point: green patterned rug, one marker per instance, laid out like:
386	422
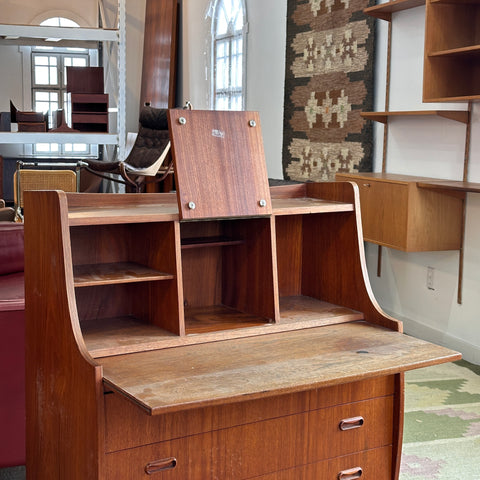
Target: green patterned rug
442	423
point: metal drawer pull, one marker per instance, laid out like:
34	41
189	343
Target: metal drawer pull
160	465
367	185
351	423
350	474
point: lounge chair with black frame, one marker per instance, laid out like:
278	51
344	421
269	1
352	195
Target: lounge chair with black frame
149	159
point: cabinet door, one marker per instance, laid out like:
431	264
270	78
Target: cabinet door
384	207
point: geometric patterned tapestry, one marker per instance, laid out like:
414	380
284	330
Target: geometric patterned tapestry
328	82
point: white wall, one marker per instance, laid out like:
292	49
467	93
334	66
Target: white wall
26	12
429	147
265	68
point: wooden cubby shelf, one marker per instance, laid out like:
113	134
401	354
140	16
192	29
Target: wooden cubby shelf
296	206
473	50
204	242
106	336
112	273
452	50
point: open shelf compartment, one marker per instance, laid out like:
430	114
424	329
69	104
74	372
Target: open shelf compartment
227	271
126	271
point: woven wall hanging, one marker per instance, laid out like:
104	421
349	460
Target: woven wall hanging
328	82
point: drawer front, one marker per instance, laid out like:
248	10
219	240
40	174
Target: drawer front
350	428
283	443
384	209
263	447
192	458
127	426
369	465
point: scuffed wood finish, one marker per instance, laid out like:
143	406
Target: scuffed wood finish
228	177
224	372
129	427
159	54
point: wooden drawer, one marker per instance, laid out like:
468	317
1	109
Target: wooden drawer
398	214
369	465
262	447
128	426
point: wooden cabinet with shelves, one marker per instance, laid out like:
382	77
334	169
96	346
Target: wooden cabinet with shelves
452	51
209	348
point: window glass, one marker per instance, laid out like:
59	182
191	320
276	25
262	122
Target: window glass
228	33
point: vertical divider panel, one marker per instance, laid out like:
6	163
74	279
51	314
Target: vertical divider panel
155	245
249	275
179	277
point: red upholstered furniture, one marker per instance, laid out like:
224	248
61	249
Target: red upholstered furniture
12	346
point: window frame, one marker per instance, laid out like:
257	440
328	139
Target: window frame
51	149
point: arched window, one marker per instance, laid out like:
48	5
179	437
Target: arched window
229	28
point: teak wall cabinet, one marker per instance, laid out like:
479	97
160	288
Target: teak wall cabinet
235	347
397	213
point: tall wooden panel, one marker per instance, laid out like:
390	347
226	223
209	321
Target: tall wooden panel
159	53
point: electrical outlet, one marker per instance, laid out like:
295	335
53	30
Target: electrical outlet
430	276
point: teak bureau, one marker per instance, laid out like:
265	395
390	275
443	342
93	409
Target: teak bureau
226	332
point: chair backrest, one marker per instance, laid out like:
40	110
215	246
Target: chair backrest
25	179
153	139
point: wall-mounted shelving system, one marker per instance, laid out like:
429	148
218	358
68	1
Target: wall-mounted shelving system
451	73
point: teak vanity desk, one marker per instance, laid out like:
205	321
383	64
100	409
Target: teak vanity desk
233	335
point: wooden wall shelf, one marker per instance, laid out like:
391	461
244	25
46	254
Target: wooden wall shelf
384	11
382	117
451	185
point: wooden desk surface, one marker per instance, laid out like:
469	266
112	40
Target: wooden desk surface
244	369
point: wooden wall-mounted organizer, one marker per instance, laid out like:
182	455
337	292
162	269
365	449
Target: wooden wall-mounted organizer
210	342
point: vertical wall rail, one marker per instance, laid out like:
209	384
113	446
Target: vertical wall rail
466	160
385	126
